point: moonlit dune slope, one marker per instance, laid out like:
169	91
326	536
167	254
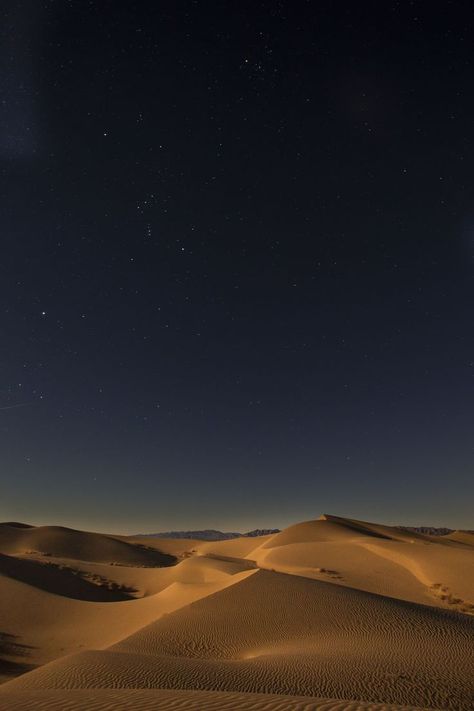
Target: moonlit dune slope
176	699
330	609
53	606
430	570
78	545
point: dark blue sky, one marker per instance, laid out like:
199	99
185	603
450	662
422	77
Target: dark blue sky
237	263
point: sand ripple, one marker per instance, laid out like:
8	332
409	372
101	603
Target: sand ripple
276	633
176	700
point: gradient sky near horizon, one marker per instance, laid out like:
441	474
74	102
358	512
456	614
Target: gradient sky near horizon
237	263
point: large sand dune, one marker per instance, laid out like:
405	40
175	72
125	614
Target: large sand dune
78	545
333	614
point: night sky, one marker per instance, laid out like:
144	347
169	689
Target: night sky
237	260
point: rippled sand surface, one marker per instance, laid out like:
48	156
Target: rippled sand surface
328	614
177	700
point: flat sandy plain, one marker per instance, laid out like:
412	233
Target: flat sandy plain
331	614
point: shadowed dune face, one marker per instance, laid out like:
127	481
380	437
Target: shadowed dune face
327	609
13	656
62	580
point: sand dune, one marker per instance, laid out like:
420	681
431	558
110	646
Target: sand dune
234	548
387	561
176	547
79	545
462	537
172	700
369	615
46	625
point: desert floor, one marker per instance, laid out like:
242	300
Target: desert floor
328	614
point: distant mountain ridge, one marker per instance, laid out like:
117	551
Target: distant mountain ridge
432	530
210	534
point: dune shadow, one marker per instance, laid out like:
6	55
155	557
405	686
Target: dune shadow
10	647
155	558
63	580
365	530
